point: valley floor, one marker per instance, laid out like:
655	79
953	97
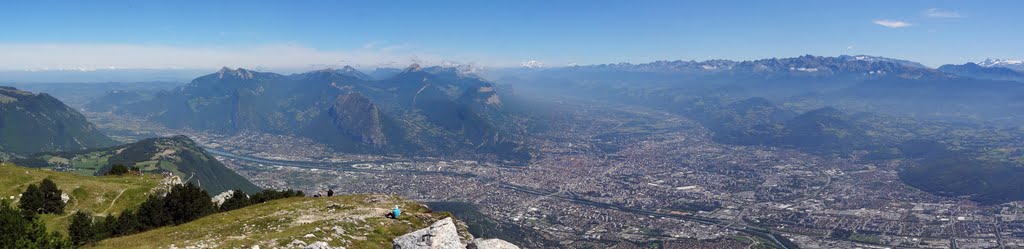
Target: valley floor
627	176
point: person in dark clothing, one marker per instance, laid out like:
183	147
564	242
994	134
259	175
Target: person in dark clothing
330	192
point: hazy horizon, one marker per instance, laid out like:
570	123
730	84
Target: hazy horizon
295	37
114	74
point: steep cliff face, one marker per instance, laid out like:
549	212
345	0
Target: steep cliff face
356	116
356	123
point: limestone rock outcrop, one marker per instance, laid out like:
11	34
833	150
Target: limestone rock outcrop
441	235
491	244
444	234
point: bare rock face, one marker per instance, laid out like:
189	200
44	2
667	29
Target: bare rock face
357	117
491	244
166	183
222	197
321	245
441	235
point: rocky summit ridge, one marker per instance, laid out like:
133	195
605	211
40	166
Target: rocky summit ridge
347	221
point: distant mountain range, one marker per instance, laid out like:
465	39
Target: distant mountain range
867	107
807	65
983	72
31	122
425	111
859	83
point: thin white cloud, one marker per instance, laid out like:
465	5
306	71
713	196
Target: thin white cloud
55	56
893	23
941	13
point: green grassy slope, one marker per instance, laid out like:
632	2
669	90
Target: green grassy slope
178	155
98	195
353	221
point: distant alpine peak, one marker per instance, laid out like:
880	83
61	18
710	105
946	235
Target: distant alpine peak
989	62
226	69
344	71
870	58
349	69
346	68
865	57
415	67
238	73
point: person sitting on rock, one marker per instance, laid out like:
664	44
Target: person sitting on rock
396	212
330	192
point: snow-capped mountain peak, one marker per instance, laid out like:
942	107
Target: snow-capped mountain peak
1017	65
999	62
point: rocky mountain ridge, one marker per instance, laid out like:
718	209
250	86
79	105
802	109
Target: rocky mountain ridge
421	110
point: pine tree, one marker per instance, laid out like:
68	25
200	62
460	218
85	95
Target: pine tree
118	169
42	199
17	231
32	200
152	214
81	228
52	202
105	229
127	223
187	203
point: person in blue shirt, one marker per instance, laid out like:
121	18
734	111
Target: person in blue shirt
396	212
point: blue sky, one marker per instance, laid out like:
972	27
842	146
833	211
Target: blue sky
310	34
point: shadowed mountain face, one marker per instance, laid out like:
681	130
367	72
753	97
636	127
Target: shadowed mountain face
357	116
431	111
354	123
32	123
